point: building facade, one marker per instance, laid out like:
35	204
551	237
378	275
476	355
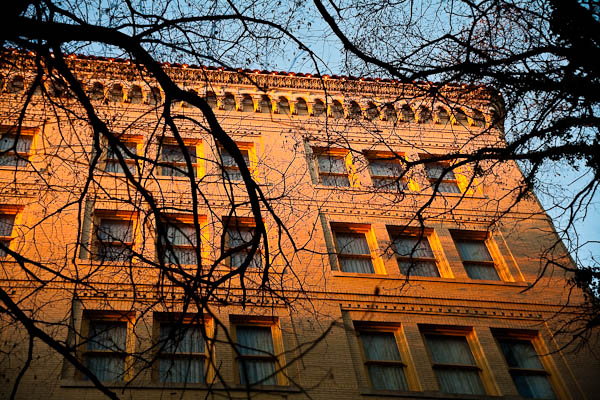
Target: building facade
383	270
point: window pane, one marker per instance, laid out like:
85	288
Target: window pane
450	350
179	338
181	256
520	354
106	367
107	252
448	187
479	271
473	250
385	168
107	335
387	377
352	243
228	160
254	340
111	230
419	268
174	153
335	180
6	224
181	370
459	381
181	234
132	147
239	258
533	386
23	144
435	171
358	265
407	246
380	346
257	372
332	164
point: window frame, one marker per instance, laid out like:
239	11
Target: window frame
444	180
397	183
180	167
204	323
245	224
101	316
544	357
8	240
423	234
251	162
479	363
22	158
335	153
186	220
130	140
486	239
357	229
278	357
97	243
405	362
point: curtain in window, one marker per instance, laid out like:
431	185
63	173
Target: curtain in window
6	224
231	169
383	347
351	245
174	154
448	187
473	250
330	164
412	247
435	171
115	236
256	341
7	147
479	271
113	165
454	350
182	357
239	237
385	168
181	235
522	355
109	337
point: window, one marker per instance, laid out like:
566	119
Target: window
173	155
528	373
239	234
259	353
105	352
386	172
454	364
182	356
114	238
440	172
231	170
414	254
382	360
318	108
332	167
180	248
7	223
475	255
112	162
353	251
15	148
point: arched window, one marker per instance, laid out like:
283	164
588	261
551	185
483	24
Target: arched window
408	115
372	111
284	106
116	93
424	115
390	113
265	104
229	102
301	107
443	116
135	95
355	111
154	97
318	108
247	103
16	84
211	99
337	110
461	117
96	92
478	119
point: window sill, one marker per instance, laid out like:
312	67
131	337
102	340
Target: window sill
422	395
461	281
83	384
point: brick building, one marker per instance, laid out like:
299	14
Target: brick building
121	247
